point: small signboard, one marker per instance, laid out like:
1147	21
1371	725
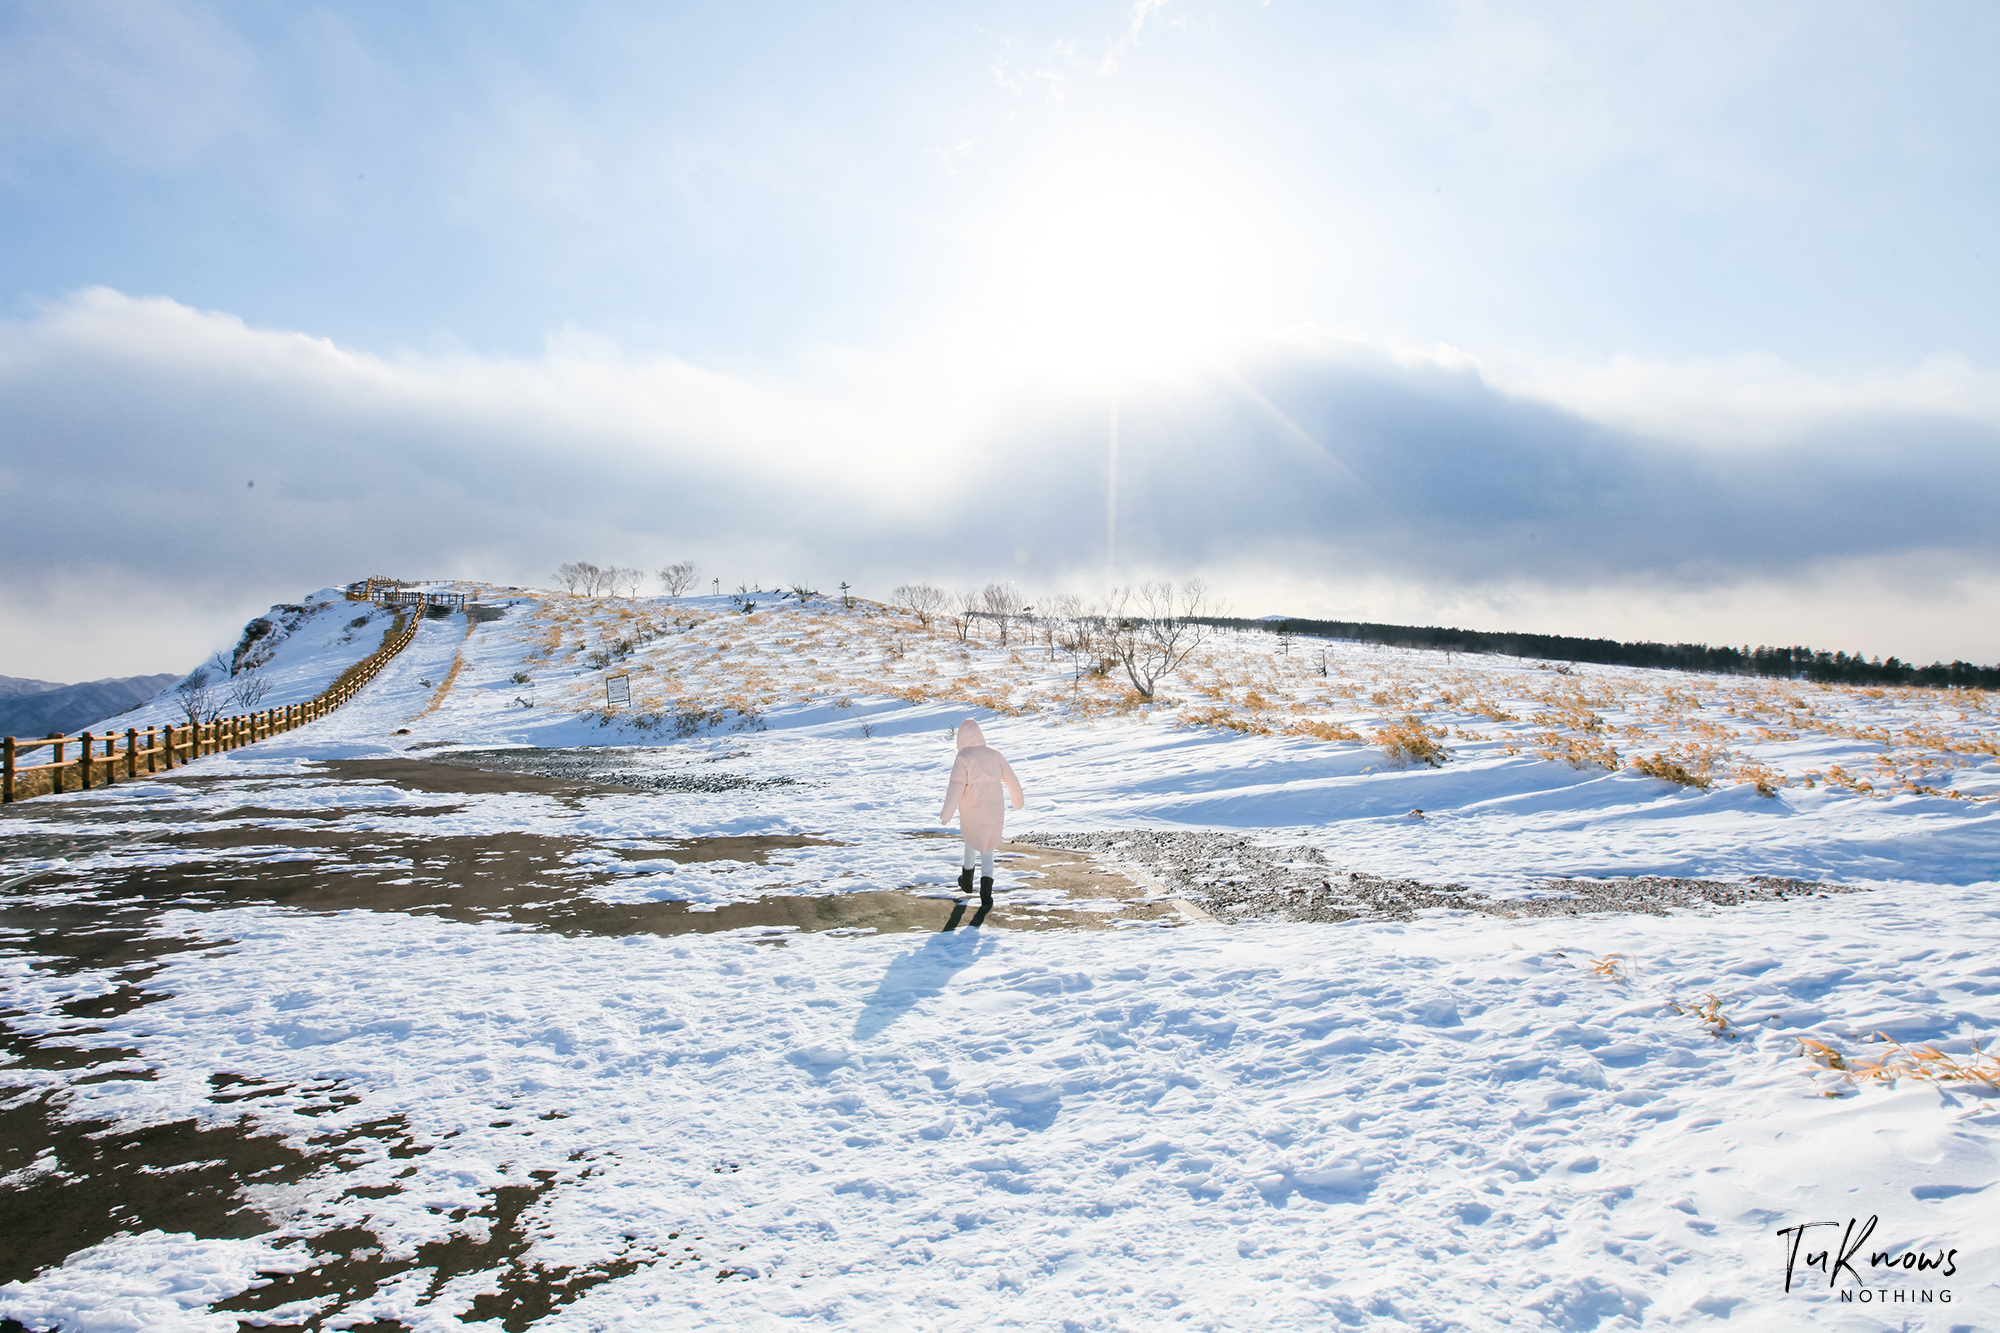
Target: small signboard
617	690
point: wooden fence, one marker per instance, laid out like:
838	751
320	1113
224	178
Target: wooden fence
396	593
100	756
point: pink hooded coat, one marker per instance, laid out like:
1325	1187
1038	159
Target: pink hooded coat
976	779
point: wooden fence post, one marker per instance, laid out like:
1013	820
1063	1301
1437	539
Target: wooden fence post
83	773
167	745
131	753
7	771
56	774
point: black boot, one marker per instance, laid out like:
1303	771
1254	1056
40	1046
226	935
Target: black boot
965	880
985	890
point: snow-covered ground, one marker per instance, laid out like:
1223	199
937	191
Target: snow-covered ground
1456	1121
859	708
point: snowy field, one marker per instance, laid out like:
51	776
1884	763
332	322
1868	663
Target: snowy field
1457	1120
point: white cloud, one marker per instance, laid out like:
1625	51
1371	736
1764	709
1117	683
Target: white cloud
1755	400
1334	476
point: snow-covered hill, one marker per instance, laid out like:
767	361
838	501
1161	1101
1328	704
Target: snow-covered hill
1532	775
1451	1119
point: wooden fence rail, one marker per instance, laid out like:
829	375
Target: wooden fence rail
99	756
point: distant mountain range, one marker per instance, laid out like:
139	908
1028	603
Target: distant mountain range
38	707
13	687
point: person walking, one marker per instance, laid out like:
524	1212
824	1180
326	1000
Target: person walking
978	776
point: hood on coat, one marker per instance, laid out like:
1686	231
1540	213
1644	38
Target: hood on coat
970	735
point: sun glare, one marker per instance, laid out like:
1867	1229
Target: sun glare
1113	262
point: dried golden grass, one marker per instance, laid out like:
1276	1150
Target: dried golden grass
1615	967
1577	751
1927	1063
1659	766
1765	779
1222	717
1410	741
1726	729
1709	1010
1331	732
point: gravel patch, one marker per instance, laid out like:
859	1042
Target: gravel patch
1239	879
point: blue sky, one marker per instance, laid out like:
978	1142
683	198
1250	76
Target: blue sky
1662	321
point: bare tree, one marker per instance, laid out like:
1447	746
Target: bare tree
578	577
1049	622
1151	632
964	606
247	690
1001	603
678	577
200	695
587	580
628	579
920	600
1070	631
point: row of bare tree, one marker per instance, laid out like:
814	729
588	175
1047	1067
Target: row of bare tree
1148	631
587	580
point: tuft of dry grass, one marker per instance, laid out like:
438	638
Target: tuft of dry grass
1659	766
1409	739
1325	731
1766	779
1615	967
1896	1061
1222	717
1709	1010
1577	751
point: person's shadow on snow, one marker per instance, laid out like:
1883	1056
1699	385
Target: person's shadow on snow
923	973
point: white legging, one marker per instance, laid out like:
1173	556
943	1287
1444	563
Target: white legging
985	861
